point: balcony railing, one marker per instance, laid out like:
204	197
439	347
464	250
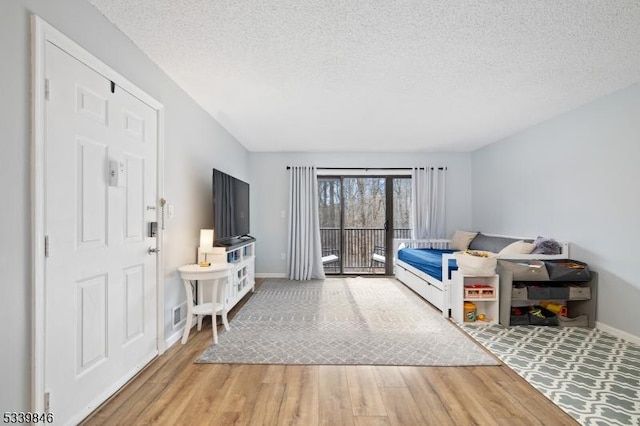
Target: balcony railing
355	252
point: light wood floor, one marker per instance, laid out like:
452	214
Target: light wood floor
173	390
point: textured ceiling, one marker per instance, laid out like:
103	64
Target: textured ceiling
385	75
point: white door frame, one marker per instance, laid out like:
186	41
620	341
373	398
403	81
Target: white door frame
43	33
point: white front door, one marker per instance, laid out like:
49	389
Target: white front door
100	280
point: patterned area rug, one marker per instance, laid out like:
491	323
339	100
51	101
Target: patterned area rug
345	321
592	375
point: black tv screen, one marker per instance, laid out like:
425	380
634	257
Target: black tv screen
230	207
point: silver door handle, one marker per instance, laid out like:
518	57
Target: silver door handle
152	250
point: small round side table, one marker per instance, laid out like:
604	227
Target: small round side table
218	274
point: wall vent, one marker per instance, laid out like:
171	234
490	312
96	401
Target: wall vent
178	315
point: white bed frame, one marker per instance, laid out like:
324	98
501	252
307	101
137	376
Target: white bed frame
438	292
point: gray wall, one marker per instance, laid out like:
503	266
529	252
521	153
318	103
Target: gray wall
270	188
194	144
574	178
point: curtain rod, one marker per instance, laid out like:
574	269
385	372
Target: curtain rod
375	168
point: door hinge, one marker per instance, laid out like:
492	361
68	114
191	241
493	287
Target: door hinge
47	402
46	246
46	89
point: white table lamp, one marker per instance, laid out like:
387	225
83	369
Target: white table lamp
206	246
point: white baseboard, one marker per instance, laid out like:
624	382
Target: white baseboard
618	333
175	337
271	275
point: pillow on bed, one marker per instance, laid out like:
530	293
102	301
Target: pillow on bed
461	239
490	243
519	247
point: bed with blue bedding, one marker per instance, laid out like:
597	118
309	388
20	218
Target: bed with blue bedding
425	266
427	260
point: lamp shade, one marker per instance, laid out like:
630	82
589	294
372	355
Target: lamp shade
206	240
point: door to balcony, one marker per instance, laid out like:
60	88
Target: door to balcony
359	217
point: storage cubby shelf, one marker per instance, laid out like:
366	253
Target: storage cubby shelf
582	303
467	288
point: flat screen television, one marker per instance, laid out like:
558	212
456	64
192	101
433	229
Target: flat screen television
230	208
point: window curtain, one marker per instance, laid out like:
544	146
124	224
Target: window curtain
428	191
304	248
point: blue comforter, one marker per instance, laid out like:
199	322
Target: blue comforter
427	260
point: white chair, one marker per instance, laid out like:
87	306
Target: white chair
377	257
330	258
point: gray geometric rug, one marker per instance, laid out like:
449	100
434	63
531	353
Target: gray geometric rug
342	321
593	376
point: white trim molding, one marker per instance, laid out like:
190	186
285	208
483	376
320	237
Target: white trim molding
271	275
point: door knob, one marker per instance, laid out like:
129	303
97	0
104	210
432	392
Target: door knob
152	250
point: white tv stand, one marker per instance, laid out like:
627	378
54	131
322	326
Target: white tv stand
243	258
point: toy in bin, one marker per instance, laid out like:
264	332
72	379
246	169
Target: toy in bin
483	317
556	308
470	312
478	291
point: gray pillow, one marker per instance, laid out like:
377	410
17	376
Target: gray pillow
489	243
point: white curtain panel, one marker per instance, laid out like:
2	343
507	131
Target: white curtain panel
428	191
304	249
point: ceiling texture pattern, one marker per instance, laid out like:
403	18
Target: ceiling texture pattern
385	75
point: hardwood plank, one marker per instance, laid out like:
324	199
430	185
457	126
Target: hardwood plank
274	374
372	421
431	407
335	403
243	388
532	406
456	408
173	404
388	376
401	407
496	389
181	355
216	382
482	405
363	390
301	400
128	410
231	418
267	406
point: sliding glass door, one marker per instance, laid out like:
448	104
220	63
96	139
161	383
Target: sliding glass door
359	217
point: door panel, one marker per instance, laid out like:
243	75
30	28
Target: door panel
92	193
92	322
134	303
100	283
365	215
134	209
92	105
330	212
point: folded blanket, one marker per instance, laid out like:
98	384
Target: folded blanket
546	246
